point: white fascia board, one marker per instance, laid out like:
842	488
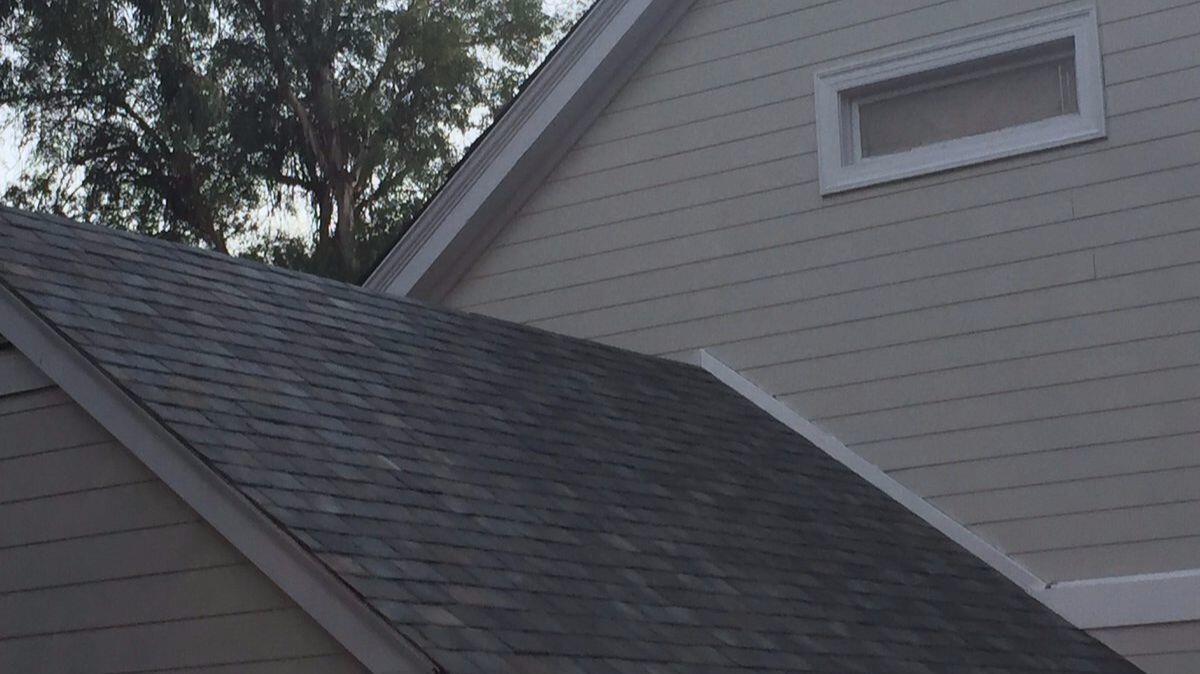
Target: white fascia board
1093	603
1123	601
301	576
516	154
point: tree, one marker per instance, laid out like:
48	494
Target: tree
129	123
193	118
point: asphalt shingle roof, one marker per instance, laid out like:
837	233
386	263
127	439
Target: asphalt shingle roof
518	501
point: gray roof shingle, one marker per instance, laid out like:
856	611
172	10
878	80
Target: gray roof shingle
519	501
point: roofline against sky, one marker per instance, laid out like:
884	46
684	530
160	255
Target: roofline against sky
523	145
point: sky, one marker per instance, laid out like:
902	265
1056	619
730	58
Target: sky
10	157
12	154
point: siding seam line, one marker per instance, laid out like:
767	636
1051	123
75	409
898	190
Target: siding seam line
841	202
43	452
769	17
655	186
772	45
809	36
97	534
984	363
1090	511
117	579
929	277
146	623
39	405
672	155
1049	483
972	332
1092	546
1031	420
1036	452
255	661
967	333
819	63
76	492
1039	387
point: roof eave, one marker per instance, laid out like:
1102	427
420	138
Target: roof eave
305	579
521	148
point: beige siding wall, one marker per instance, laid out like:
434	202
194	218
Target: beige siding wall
1017	341
1171	648
104	569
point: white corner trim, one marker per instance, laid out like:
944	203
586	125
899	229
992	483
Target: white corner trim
326	598
1123	601
1094	603
522	146
872	474
1077	21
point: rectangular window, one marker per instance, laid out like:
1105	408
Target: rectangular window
955	102
1010	89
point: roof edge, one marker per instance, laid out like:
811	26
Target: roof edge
907	498
302	577
1088	604
523	145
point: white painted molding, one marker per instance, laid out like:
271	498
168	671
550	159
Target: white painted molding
304	578
1127	600
837	172
1094	603
521	148
869	472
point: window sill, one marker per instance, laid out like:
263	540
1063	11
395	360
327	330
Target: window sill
961	152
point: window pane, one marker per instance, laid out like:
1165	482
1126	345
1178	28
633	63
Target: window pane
978	98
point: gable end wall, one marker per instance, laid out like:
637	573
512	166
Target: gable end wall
1015	341
104	569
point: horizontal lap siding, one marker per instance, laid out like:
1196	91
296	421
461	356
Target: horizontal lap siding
1172	648
105	569
1018	341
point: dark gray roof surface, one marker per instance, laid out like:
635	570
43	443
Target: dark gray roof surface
518	501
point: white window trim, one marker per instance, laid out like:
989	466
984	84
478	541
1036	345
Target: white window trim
1076	21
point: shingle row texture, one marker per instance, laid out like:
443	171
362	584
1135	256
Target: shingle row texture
518	501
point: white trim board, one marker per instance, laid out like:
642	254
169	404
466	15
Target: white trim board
512	159
1124	601
301	576
1095	603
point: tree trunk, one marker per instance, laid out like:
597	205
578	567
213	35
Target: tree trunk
345	234
210	233
324	210
188	203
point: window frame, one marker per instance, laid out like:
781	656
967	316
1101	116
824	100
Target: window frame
840	169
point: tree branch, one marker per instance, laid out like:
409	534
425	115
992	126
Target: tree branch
268	18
